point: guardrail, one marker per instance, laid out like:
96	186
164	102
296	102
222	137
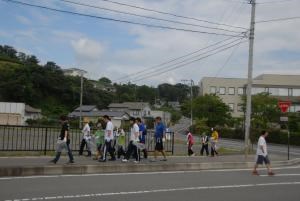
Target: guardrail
43	139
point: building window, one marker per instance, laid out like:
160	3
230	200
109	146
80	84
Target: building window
212	90
279	91
241	91
231	107
240	108
231	90
257	90
222	91
296	92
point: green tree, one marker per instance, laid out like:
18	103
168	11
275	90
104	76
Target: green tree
208	107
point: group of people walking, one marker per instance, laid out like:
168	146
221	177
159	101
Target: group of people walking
107	140
205	142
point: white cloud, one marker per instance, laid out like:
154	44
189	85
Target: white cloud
87	50
23	20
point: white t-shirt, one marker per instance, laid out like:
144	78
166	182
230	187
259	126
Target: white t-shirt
109	129
262	143
135	129
86	131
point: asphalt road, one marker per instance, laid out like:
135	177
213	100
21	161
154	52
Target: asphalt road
219	185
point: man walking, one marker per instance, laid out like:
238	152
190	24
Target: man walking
204	142
134	138
142	136
65	137
86	139
213	142
108	139
159	136
262	154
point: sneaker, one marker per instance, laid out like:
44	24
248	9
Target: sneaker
124	160
53	161
136	162
164	159
271	173
255	173
70	162
193	154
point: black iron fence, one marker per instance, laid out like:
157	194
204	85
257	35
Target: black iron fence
43	139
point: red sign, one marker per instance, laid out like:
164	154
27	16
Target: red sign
284	105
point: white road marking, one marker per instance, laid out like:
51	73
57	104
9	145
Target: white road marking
60	197
137	173
281	175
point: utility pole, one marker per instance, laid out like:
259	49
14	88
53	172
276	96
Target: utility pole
249	85
81	95
192	83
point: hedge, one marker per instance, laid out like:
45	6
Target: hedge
275	136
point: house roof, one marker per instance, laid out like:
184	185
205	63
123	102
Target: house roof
86	108
129	105
101	113
30	109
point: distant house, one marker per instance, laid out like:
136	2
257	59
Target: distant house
73	72
134	109
92	114
108	87
17	113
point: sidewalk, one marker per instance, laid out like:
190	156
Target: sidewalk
29	166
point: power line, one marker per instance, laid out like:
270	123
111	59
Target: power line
144	16
273	2
181	64
171	14
116	20
170	61
279	19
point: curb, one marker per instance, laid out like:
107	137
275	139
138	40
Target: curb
14	171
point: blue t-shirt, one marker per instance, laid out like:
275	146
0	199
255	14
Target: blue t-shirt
143	130
159	130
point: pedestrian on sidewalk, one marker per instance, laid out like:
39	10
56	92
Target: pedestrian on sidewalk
262	154
142	136
134	139
213	142
108	140
159	137
204	143
99	136
86	139
190	143
121	143
64	139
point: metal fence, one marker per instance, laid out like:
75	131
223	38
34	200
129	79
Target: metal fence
43	139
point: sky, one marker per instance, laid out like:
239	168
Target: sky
132	53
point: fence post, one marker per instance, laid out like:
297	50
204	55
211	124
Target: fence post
46	140
173	143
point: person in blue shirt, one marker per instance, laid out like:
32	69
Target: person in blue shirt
159	136
142	136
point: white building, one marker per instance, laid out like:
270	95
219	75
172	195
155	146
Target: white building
73	72
134	109
230	90
17	113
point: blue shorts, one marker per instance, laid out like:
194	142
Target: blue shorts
262	159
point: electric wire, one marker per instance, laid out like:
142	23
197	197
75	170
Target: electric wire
171	60
115	20
144	16
171	14
186	62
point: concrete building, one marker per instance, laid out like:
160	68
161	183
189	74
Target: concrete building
230	90
17	113
73	72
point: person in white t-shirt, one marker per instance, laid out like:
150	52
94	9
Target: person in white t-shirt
134	138
86	139
262	154
108	138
